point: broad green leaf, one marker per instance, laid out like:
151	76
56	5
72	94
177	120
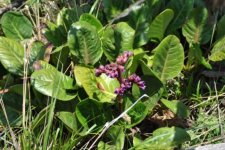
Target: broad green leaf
154	88
177	107
196	30
108	43
54	34
91	20
16	26
59	48
92	113
84	43
164	138
133	64
196	58
220	32
68	119
113	8
169	58
218	51
116	137
136	114
104	146
107	85
11	55
182	9
159	25
124	36
139	19
66	17
49	81
117	39
62	57
45	65
37	52
146	69
101	88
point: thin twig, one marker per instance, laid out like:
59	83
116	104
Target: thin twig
11	6
127	11
109	124
4	91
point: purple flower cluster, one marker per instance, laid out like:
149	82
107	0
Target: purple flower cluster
115	70
122	59
127	84
111	70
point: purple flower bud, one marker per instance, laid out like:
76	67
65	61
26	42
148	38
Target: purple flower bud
128	53
122	59
101	67
113	66
121	68
137	79
119	60
141	84
97	72
119	91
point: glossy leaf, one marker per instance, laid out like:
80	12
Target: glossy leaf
136	114
139	19
108	43
62	57
133	64
49	81
112	8
124	36
37	52
195	57
92	113
11	55
101	88
107	84
84	43
164	138
116	137
66	17
91	20
220	32
177	107
68	119
196	30
154	88
182	9
169	58
159	25
218	51
104	146
54	34
16	26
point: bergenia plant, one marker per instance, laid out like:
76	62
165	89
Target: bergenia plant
116	69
